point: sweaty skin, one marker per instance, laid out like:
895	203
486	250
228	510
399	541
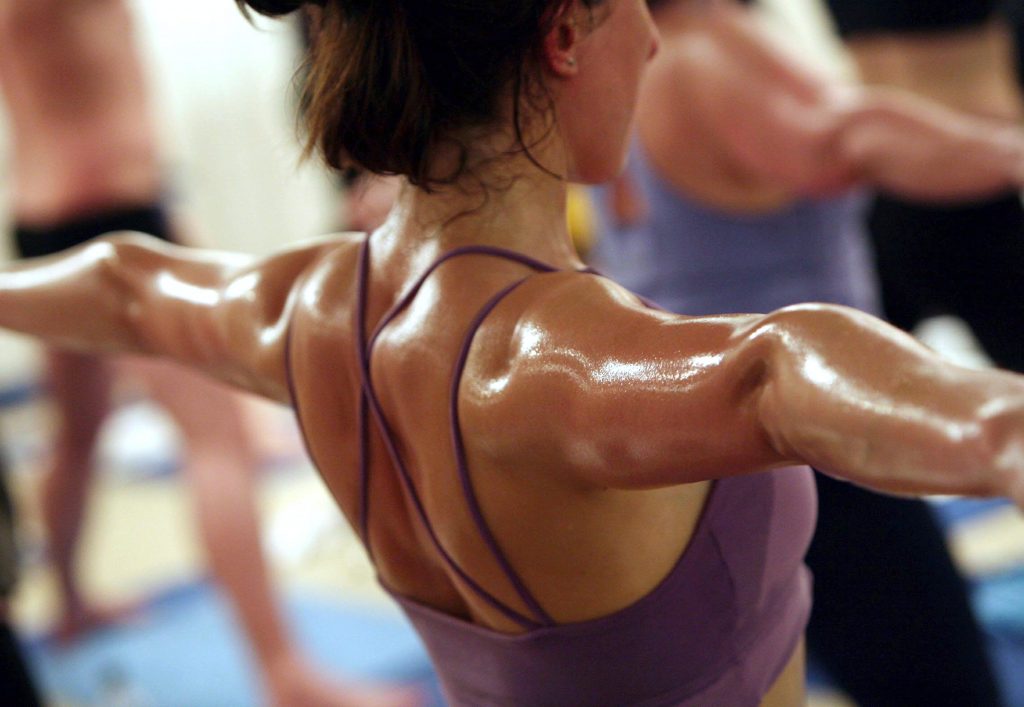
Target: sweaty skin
590	420
732	393
593	425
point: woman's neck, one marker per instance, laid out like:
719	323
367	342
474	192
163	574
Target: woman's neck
506	201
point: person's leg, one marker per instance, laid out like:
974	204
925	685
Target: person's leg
79	387
84	161
220	468
963	260
220	475
891	620
928	259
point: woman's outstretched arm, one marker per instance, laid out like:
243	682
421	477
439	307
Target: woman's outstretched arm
631	397
863	401
223	313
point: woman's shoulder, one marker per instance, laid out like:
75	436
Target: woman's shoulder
328	247
329	256
324	273
585	307
577	373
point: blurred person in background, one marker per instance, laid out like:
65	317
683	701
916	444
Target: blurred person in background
744	193
960	54
86	161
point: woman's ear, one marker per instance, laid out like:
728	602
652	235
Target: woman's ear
563	40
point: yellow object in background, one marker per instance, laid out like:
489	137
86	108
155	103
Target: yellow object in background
581	218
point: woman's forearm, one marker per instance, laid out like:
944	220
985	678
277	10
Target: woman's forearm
225	314
867	403
69	299
98	297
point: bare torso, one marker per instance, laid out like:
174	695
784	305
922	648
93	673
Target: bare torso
87	129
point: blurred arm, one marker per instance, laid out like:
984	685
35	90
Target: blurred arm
781	121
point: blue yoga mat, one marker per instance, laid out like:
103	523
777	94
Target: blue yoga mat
185	649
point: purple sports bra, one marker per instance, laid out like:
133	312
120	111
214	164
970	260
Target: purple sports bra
717	630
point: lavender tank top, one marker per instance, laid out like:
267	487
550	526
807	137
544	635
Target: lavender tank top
716	631
696	260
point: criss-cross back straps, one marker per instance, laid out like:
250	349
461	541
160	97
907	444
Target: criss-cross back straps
369	403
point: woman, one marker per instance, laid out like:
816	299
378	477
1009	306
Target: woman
742	195
553	480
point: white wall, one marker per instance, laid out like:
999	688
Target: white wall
804	27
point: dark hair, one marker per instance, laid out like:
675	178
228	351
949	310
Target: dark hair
388	81
653	4
275	8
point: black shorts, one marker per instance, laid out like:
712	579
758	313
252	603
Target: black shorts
859	17
36	241
966	260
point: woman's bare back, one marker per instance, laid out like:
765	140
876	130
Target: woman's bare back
583	550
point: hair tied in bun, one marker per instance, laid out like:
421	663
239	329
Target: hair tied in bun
277	8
